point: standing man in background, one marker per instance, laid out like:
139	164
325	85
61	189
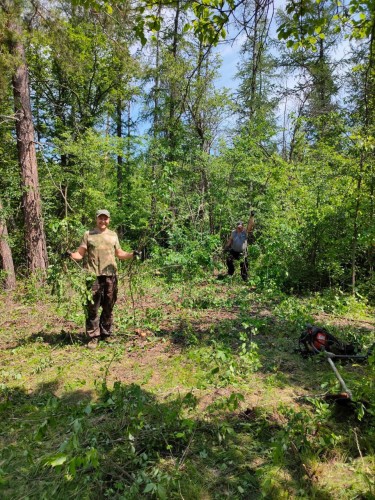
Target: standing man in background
101	245
237	246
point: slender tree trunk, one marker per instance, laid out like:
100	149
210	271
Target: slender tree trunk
173	91
355	228
129	125
120	159
156	127
370	111
254	65
6	256
36	249
173	119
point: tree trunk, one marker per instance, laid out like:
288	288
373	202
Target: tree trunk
6	256
354	245
173	90
120	159
36	250
254	64
156	127
129	125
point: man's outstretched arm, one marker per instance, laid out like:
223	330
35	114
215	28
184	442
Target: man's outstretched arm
78	254
251	223
120	254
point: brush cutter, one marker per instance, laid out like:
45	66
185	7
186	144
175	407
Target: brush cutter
316	340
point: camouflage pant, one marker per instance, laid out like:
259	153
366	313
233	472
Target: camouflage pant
104	295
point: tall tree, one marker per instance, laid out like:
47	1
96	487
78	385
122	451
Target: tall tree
35	241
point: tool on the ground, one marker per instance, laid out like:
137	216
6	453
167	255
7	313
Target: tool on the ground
316	340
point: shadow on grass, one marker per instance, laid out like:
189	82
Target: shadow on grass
276	341
53	338
277	346
127	444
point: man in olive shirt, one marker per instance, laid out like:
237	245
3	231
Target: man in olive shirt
101	246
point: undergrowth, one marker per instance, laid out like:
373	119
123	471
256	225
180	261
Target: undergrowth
191	411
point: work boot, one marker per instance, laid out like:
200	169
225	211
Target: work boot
108	339
93	343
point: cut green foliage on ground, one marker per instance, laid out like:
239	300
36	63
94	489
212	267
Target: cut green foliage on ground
202	396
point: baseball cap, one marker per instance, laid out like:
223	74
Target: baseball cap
102	212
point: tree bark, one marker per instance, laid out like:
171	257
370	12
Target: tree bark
36	249
6	256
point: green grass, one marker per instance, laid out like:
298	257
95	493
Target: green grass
212	402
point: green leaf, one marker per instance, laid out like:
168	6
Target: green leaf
58	460
162	492
77	426
149	487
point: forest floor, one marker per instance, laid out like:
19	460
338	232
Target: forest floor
201	395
